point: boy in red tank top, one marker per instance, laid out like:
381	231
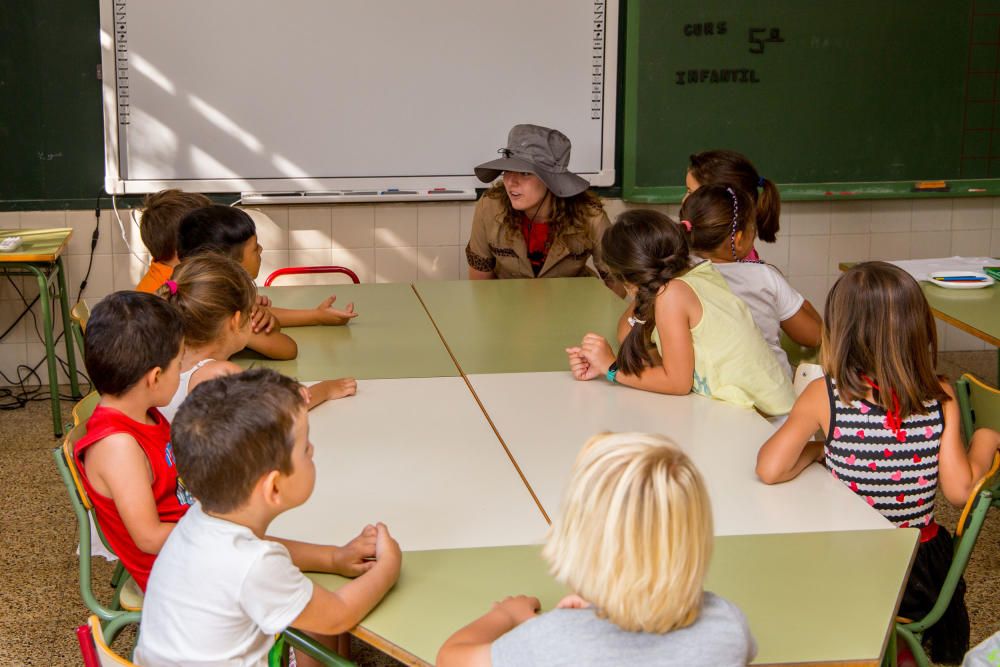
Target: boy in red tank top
133	350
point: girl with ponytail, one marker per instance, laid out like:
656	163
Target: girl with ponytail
685	331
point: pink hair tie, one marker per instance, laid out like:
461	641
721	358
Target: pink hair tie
172	286
687	225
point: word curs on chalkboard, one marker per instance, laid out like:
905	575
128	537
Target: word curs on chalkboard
707	29
692	76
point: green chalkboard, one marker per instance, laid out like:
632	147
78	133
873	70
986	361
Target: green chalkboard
832	98
51	133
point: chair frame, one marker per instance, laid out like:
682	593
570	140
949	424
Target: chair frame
298	270
964	388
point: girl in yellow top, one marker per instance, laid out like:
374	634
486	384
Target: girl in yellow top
703	336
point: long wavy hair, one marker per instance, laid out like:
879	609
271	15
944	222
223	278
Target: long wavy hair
569	214
732	168
646	249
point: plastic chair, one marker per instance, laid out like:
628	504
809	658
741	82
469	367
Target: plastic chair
126	600
94	649
979	404
78	316
985	494
297	270
798	354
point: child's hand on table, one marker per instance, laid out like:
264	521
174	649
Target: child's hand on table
387	548
327	315
329	390
518	608
355	557
579	366
261	317
597	351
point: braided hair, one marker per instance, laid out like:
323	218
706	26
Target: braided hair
646	249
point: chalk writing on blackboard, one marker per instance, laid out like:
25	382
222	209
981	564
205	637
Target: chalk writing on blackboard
757	39
692	76
707	28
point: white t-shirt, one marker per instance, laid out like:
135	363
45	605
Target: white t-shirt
770	298
217	595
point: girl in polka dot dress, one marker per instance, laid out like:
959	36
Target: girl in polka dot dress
892	429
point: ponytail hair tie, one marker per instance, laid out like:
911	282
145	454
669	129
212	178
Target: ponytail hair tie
687	225
172	286
761	181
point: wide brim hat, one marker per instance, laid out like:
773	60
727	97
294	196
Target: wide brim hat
536	150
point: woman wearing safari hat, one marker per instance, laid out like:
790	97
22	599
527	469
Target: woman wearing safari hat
539	220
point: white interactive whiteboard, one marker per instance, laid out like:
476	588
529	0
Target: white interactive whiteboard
319	95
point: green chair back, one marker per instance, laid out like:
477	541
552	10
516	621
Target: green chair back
798	354
79	315
979	404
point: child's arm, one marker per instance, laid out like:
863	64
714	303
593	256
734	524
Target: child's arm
334	612
323	314
350	560
805	326
470	646
330	390
117	467
789	450
274	345
959	471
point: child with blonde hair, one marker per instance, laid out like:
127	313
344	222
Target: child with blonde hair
215	298
892	429
685	331
633	543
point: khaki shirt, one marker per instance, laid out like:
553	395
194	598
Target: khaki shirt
494	247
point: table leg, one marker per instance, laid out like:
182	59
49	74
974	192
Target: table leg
64	304
50	348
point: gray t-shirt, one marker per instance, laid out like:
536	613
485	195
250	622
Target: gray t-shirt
719	638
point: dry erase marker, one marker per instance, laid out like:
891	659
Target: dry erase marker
444	191
394	191
977	190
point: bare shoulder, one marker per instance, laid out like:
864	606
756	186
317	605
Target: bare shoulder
946	386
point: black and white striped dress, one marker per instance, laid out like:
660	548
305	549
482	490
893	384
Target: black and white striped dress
895	472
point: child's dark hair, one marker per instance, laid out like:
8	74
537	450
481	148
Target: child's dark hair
730	167
877	323
128	335
162	213
716	213
217	228
232	430
206	290
646	249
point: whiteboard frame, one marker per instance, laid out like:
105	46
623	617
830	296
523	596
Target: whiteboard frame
117	184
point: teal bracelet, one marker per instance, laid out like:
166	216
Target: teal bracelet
612	372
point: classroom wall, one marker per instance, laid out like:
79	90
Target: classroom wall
409	242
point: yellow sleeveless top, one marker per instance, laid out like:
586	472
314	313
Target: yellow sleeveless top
731	360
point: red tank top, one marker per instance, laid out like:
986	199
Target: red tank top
172	499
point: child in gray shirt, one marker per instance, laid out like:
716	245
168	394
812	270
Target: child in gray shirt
634	541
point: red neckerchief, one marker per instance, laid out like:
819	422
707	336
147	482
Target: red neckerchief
892	418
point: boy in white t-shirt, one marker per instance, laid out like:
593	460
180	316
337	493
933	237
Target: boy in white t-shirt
721	225
220	590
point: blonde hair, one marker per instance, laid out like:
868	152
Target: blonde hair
635	535
206	290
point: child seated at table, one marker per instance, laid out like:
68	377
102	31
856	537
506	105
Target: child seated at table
704	336
231	231
133	356
220	589
892	429
633	543
161	215
215	297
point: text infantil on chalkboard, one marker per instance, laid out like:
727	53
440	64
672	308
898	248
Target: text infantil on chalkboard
758	42
716	76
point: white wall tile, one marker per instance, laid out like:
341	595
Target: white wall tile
970	243
924	245
438	224
614	208
272	226
359	260
973	213
310	228
11	356
996	212
957	340
395	265
813	288
889	247
847	248
311	257
9	311
931	215
7	284
10	219
806	218
101	281
353	226
463	263
775	253
808	255
438	263
36	353
395	225
466	211
127	271
42	219
82	223
851	217
271	260
891	215
995	243
131	226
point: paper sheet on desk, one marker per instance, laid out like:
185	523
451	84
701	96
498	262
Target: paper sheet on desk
922	268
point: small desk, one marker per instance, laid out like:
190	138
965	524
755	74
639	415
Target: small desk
392	337
510	326
810	597
419	455
40	255
545	418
